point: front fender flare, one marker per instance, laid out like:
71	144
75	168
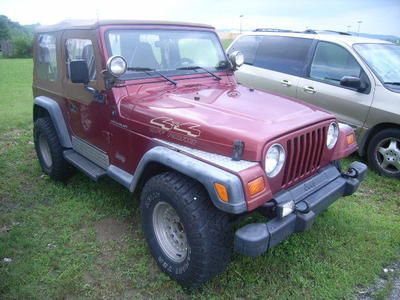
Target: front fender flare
54	110
205	173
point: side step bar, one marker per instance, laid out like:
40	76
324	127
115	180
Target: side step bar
86	166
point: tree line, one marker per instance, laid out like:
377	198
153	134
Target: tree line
15	40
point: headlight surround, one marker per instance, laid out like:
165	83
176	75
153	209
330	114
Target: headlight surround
117	65
274	160
332	136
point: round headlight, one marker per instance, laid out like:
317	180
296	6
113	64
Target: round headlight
274	160
116	65
332	135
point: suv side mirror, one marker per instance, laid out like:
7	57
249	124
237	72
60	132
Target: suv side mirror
351	82
79	72
237	59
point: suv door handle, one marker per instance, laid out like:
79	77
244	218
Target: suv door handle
286	83
309	89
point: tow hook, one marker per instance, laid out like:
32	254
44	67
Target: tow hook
351	173
302	207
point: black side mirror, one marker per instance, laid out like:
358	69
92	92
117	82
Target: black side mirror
351	82
79	72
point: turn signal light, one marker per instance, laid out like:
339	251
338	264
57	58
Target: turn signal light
221	191
256	186
350	138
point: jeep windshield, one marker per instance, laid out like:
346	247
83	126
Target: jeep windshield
384	60
172	52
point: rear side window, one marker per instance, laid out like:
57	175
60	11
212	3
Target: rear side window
331	62
81	49
47	57
283	54
248	45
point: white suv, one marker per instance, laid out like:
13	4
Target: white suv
358	79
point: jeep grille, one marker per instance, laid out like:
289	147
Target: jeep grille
303	155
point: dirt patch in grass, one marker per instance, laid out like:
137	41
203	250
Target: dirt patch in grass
7	205
386	287
111	229
13	134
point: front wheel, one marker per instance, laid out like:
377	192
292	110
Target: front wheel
50	151
384	152
189	238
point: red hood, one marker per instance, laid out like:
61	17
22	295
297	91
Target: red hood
213	115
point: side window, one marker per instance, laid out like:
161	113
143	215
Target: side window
283	54
47	57
331	62
82	49
248	45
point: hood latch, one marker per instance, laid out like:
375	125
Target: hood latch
238	147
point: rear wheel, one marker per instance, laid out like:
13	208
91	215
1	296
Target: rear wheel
50	151
189	238
384	152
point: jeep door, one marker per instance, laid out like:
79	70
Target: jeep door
88	119
321	86
272	63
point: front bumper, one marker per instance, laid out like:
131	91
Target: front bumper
315	193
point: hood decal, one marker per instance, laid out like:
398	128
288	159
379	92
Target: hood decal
188	131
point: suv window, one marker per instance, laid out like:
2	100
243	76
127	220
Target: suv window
283	54
81	49
331	62
47	57
248	45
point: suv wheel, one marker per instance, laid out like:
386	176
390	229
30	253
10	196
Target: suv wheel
189	238
384	152
50	151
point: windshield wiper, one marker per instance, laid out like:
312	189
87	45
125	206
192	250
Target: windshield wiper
199	68
392	83
147	70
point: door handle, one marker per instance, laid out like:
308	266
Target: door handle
309	89
286	83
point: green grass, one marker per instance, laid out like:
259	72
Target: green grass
83	239
226	43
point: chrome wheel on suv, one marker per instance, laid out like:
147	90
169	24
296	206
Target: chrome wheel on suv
388	155
384	152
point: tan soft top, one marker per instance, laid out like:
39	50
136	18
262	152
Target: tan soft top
93	24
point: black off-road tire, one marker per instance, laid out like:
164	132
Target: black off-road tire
379	140
208	230
56	167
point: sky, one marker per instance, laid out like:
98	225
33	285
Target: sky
378	17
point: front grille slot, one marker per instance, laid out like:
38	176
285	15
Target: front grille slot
303	156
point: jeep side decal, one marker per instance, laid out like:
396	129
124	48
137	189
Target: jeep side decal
168	124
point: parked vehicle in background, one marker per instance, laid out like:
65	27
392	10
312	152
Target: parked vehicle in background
357	79
155	106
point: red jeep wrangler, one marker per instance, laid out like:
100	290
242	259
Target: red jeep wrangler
155	106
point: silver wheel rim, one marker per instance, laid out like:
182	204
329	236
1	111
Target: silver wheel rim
387	155
170	232
45	151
